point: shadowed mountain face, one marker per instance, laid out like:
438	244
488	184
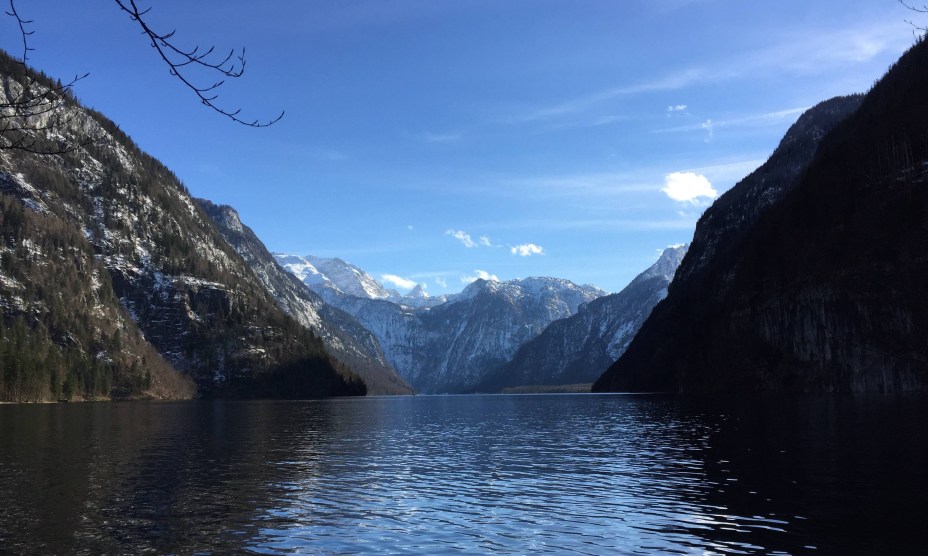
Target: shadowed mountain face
344	337
577	349
159	267
822	287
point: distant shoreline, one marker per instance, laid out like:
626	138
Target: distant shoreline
550	389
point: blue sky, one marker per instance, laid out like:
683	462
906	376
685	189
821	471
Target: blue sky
435	141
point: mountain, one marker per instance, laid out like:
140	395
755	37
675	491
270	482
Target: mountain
821	289
576	349
452	345
344	337
107	256
334	279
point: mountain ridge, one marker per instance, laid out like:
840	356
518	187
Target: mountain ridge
821	292
344	337
578	348
160	258
450	346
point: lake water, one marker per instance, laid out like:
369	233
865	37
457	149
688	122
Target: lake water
546	473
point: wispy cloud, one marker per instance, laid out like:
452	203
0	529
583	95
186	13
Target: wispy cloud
710	129
592	184
751	120
598	224
527	250
398	281
580	103
817	50
688	187
727	172
485	241
479	275
799	51
441	282
429	137
463	237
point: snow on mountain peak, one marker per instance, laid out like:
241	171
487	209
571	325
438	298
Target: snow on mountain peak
418	292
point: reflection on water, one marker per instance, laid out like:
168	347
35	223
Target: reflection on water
581	473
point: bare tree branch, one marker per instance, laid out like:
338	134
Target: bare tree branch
35	108
179	59
915	8
22	29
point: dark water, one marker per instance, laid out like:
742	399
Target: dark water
558	473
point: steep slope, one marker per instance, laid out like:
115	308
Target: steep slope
63	333
190	294
343	335
579	348
823	291
450	347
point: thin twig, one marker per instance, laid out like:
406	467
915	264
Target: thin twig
232	65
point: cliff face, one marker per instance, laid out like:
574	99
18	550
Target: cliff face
820	289
157	255
344	337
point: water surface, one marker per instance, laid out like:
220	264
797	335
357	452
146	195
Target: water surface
543	473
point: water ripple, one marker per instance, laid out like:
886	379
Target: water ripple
507	474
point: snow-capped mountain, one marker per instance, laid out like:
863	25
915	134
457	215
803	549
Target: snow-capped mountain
577	349
334	278
450	346
343	335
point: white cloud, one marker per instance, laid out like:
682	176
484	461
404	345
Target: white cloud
479	275
485	241
398	281
688	187
676	108
527	250
441	282
409	227
463	237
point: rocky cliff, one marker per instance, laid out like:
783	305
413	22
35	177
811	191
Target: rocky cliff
819	289
155	254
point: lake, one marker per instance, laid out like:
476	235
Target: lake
588	474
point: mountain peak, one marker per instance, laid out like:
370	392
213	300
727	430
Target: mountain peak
418	292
